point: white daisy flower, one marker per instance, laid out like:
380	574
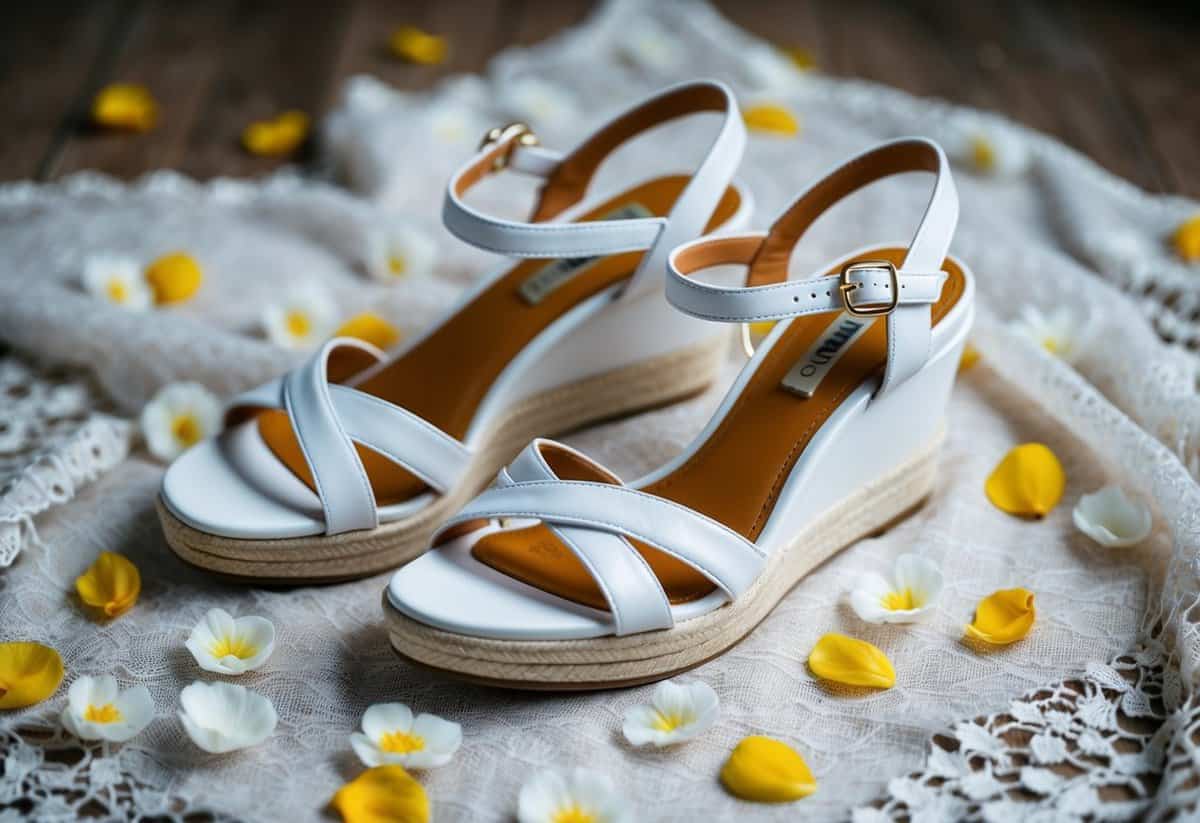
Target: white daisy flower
304	319
98	710
391	735
650	46
401	251
221	717
1060	332
453	123
225	645
583	796
676	713
988	146
1112	519
541	103
117	280
915	586
179	416
768	69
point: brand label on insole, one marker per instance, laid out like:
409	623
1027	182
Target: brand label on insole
547	279
805	377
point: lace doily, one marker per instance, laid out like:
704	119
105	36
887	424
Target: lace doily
1110	713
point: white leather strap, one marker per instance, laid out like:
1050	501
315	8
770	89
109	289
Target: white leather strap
568	178
770	295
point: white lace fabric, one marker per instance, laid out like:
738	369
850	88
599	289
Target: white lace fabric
1095	714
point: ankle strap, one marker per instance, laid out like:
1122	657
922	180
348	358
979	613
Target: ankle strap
864	288
569	177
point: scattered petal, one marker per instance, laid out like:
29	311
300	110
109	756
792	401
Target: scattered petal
225	645
416	46
676	713
117	280
582	796
772	119
279	135
174	277
1003	617
111	585
914	587
1028	482
179	416
221	717
1112	519
402	251
988	146
970	356
98	710
383	794
372	328
1186	239
767	771
302	320
126	107
391	735
29	673
1060	333
851	661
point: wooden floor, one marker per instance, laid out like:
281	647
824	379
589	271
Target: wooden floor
1118	80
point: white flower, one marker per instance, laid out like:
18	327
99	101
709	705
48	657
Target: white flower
676	713
1112	519
650	46
768	69
302	320
98	710
915	586
584	795
179	416
543	104
453	123
988	146
221	717
401	251
224	645
391	735
117	280
1059	333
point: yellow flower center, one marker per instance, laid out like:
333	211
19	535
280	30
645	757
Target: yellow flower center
186	429
117	291
401	742
233	645
1187	240
108	713
396	264
298	324
1053	345
983	154
900	600
574	814
671	722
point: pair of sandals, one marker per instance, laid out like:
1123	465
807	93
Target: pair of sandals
560	575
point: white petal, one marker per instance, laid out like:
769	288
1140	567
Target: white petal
1112	519
866	597
921	576
137	710
595	792
695	701
316	306
638	727
385	718
221	717
542	796
442	738
101	270
367	751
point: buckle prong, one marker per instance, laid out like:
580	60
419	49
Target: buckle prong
519	133
846	288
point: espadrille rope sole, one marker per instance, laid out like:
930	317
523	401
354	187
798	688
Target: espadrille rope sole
607	662
351	555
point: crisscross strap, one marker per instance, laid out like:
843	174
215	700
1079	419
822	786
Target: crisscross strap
904	294
328	418
597	518
569	177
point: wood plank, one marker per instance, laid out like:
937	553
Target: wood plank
47	53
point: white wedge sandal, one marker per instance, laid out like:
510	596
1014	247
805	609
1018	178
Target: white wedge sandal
560	576
344	467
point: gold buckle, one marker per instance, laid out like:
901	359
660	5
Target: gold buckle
846	288
519	133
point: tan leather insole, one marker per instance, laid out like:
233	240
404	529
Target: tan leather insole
445	377
735	477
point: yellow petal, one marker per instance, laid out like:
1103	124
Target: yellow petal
372	328
1003	617
767	771
1028	482
125	106
1187	239
801	58
970	356
384	794
111	585
29	673
416	46
278	136
174	277
854	662
771	118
